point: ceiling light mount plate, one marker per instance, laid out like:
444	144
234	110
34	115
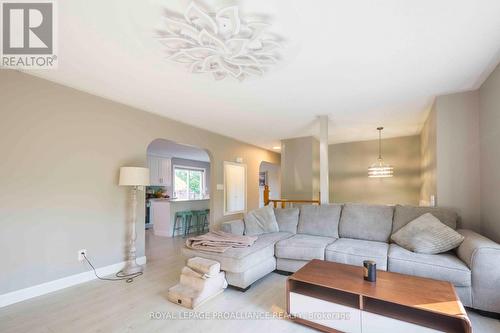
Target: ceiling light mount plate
221	44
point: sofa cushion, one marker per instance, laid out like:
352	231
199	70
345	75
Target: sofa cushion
355	251
290	265
303	247
405	214
260	221
235	227
288	219
426	234
444	266
320	220
241	259
368	222
246	278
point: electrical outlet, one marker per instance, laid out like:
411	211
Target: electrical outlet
81	253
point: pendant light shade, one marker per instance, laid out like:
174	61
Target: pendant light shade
379	169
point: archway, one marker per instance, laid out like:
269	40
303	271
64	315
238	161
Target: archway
180	182
270	175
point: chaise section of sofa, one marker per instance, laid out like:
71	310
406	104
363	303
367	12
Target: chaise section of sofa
244	266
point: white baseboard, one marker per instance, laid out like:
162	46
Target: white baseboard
65	282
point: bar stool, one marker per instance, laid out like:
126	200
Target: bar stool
199	217
202	219
196	217
206	220
194	221
182	221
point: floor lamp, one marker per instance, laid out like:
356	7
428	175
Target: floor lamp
137	178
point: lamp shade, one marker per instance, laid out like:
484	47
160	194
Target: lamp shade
134	176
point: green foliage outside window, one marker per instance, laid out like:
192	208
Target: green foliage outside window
195	181
188	183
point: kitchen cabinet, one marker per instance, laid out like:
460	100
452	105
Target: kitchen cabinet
160	171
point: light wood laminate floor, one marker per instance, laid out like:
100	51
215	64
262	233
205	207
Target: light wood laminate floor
100	306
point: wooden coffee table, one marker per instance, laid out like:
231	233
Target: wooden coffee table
333	297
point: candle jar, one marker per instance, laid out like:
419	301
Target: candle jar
370	270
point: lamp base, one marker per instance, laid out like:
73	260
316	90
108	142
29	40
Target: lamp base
131	268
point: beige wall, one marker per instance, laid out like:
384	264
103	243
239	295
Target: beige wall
349	162
428	159
60	153
458	173
300	168
315	169
489	124
465	140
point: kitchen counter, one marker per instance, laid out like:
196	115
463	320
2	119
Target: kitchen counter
177	200
163	213
188	200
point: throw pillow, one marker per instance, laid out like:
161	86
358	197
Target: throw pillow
426	234
260	221
287	219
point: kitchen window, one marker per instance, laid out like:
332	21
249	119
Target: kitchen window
189	183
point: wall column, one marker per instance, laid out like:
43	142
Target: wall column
323	160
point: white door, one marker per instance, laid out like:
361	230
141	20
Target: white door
234	188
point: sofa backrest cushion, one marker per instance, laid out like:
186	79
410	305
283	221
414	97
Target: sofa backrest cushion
320	220
287	218
367	222
235	227
260	221
405	214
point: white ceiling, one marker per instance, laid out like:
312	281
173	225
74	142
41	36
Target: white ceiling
171	149
365	63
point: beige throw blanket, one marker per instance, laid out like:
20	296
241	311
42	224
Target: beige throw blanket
219	241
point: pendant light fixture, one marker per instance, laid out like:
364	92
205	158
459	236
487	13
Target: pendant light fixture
379	169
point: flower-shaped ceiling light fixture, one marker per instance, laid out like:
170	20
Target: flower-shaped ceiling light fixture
220	44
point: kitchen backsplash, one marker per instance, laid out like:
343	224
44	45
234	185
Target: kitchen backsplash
152	190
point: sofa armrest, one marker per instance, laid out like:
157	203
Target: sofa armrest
475	246
482	255
236	227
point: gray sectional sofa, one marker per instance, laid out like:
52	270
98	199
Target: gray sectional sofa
352	233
